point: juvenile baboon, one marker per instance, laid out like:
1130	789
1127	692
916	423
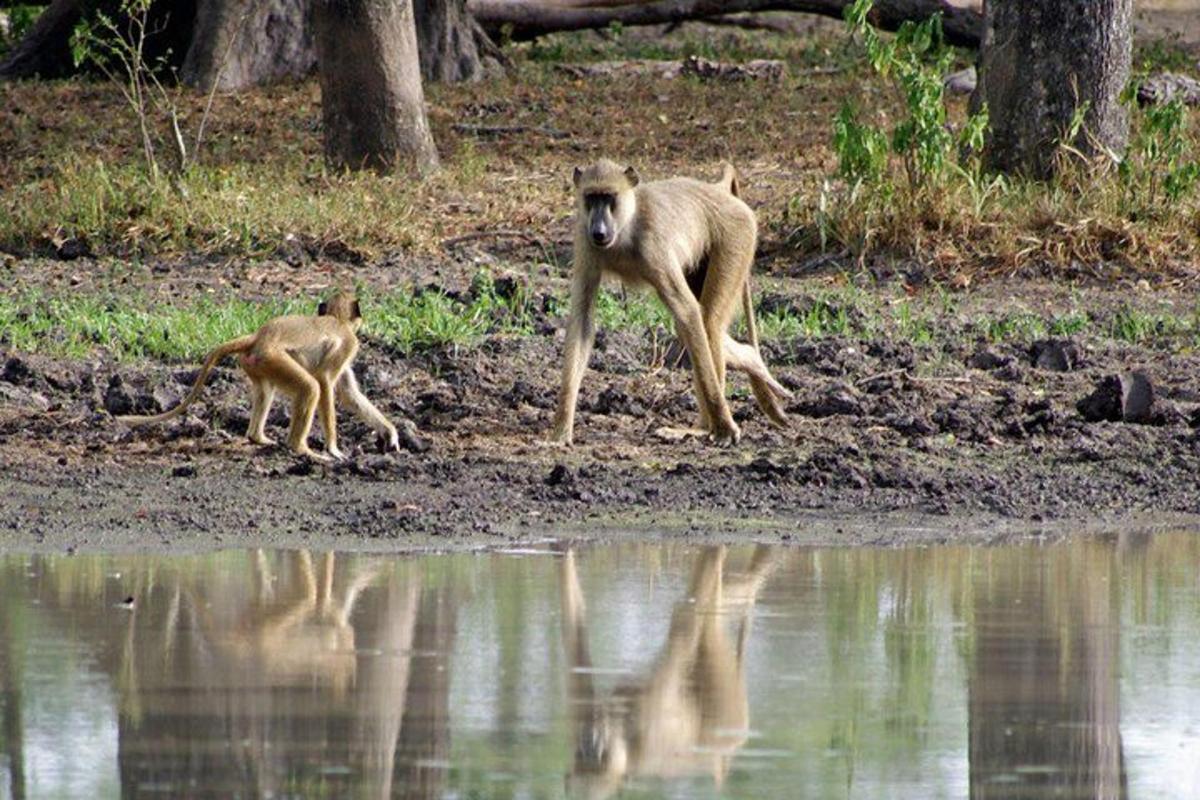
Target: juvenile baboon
306	357
693	243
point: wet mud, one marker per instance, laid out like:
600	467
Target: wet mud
954	435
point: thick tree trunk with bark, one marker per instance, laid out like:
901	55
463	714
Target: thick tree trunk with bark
240	43
453	47
1039	63
531	18
45	50
372	103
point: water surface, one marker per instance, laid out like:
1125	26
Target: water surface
656	670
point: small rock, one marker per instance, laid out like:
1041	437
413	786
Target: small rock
559	476
117	398
301	467
1055	355
73	248
1128	397
987	360
838	399
17	371
961	82
184	471
410	437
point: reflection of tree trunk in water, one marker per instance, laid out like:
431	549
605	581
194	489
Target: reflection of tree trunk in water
10	707
383	687
1043	692
425	733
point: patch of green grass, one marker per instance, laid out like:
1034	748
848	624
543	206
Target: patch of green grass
232	208
1138	326
618	310
1069	324
823	317
77	325
912	324
1017	326
132	328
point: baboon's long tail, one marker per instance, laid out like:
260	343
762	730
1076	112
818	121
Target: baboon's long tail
239	345
748	311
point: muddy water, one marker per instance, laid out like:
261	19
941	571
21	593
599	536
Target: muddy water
1066	670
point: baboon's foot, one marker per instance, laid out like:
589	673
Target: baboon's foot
306	452
725	434
336	454
260	439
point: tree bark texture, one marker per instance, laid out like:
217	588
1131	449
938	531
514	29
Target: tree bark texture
372	103
1041	60
45	50
452	45
528	20
242	43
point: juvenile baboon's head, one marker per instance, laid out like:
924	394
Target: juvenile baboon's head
606	203
343	306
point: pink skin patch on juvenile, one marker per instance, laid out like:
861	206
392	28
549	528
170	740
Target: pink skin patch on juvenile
249	360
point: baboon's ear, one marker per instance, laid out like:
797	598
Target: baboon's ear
323	309
355	311
578	176
631	176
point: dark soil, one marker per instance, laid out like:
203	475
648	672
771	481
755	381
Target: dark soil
950	436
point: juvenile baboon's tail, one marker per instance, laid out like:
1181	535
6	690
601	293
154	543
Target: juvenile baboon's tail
239	345
729	177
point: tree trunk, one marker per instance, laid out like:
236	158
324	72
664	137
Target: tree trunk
453	47
528	20
240	43
45	50
372	103
1038	65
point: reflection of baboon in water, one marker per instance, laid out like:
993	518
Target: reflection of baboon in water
690	714
301	635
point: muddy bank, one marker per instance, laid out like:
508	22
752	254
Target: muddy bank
945	434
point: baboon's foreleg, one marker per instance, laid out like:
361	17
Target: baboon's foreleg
581	333
349	395
328	415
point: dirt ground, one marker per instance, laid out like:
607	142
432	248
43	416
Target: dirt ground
893	438
889	441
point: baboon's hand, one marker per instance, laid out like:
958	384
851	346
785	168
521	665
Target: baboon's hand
337	454
393	440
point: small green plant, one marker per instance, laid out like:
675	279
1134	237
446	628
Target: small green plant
914	326
1160	165
915	60
119	51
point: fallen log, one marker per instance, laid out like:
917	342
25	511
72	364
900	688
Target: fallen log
528	20
768	70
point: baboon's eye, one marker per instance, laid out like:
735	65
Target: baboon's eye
601	198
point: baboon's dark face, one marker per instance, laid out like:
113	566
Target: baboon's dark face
600	208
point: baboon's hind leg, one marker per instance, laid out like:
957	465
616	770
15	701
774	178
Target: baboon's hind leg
768	392
262	394
305	393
